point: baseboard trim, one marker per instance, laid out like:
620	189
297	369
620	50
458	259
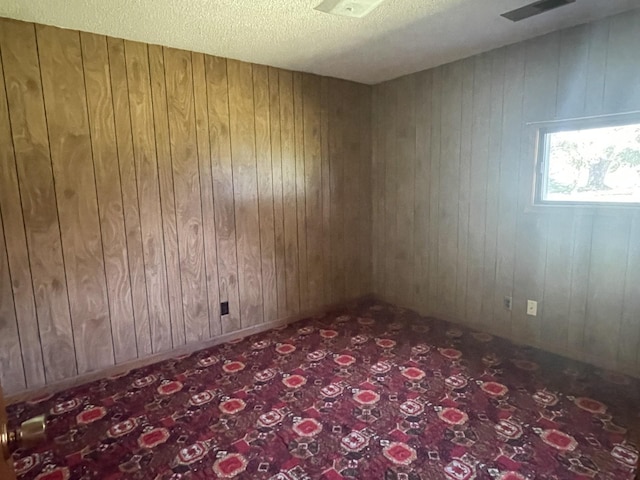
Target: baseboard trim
188	349
580	356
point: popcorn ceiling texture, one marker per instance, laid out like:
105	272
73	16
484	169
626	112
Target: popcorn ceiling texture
400	37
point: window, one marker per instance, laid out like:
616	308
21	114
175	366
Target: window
594	162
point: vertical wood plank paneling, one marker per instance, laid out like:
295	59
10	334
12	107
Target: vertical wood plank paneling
278	205
12	371
421	188
434	190
493	183
478	187
128	178
144	148
186	175
578	266
598	36
539	103
12	374
245	188
391	174
362	230
19	284
31	145
610	242
612	234
265	191
325	134
222	173
598	44
167	193
620	93
364	139
174	181
65	104
572	75
451	115
358	146
381	134
288	187
572	72
629	338
301	200
311	111
378	191
452	158
206	191
337	147
105	161
508	199
558	263
581	254
405	189
464	176
351	216
289	191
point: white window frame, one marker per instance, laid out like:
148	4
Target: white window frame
542	152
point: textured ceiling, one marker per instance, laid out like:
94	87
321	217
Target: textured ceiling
400	37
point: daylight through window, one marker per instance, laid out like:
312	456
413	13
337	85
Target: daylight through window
589	164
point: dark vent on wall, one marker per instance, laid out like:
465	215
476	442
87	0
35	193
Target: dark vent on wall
535	8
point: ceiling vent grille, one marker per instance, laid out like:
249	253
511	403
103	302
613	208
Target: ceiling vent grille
535	8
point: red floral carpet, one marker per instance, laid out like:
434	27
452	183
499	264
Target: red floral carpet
369	392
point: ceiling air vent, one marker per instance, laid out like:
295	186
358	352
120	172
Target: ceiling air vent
535	8
349	8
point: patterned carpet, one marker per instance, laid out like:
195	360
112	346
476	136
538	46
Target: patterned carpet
369	392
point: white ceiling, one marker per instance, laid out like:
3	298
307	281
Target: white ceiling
400	37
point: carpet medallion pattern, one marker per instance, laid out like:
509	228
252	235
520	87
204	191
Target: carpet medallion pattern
370	392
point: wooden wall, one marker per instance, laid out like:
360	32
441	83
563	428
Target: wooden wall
140	186
453	160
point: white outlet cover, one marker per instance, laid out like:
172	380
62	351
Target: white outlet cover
349	8
532	308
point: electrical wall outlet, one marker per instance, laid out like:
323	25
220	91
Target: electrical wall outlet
508	302
224	308
532	308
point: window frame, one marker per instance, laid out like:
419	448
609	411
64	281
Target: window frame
541	168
